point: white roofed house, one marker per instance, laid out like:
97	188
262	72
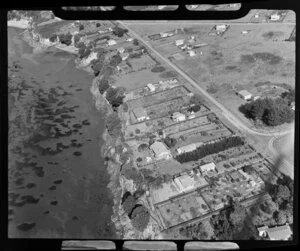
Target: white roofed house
177	116
192	53
221	27
187	148
275	17
111	42
208	167
184	183
179	42
160	150
151	87
275	233
124	56
245	94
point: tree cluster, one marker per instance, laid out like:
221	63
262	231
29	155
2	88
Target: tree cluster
53	38
232	223
200	231
98	64
140	217
113	124
289	96
170	142
65	38
197	99
115	96
119	32
208	149
195	108
84	51
271	112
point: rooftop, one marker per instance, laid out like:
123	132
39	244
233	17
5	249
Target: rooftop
186	181
158	148
279	233
244	93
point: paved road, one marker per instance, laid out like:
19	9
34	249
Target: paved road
232	118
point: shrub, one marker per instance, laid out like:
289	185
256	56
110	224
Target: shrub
65	38
140	217
117	31
135	42
98	25
170	142
197	99
81	27
128	203
103	85
53	38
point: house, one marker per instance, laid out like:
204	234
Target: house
184	183
160	150
245	94
129	39
275	17
192	116
256	97
111	42
140	113
182	47
194	6
245	32
275	233
124	56
208	167
192	53
177	116
293	106
151	87
179	42
221	27
187	148
121	50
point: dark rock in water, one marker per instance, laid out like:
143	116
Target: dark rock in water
39	171
86	122
31	185
52	188
77	153
26	226
47	212
41	195
11	212
88	140
77	126
29	199
19	181
75	130
76	144
73	140
57	182
74	218
78	89
54	203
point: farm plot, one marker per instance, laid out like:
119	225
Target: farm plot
182	209
235	185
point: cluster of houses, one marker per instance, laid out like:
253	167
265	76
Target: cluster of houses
180	43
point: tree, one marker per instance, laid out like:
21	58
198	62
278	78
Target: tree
76	39
279	217
140	217
103	85
115	60
81	27
197	99
135	42
113	124
117	31
170	142
53	38
65	38
98	25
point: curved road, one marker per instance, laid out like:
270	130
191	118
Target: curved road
232	118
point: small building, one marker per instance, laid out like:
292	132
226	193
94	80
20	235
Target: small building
192	53
245	32
187	148
256	97
160	150
124	56
275	233
177	116
111	42
221	27
129	39
256	15
182	47
293	106
275	17
245	94
185	183
179	42
163	34
194	6
121	50
192	116
139	113
151	87
208	167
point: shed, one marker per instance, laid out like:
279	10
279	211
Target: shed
140	113
245	94
111	42
177	116
179	42
124	56
151	87
192	53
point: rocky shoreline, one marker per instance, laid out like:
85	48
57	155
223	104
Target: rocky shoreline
118	184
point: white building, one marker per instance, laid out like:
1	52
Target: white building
293	106
256	15
163	34
208	167
194	6
140	113
187	148
245	32
129	39
182	47
111	42
179	42
275	17
192	53
160	7
221	27
245	94
151	87
184	183
275	233
124	56
121	50
177	116
256	97
160	150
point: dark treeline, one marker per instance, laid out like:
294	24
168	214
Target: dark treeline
208	149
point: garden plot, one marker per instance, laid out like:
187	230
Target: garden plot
166	108
262	169
140	63
237	185
169	167
182	209
141	151
136	130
